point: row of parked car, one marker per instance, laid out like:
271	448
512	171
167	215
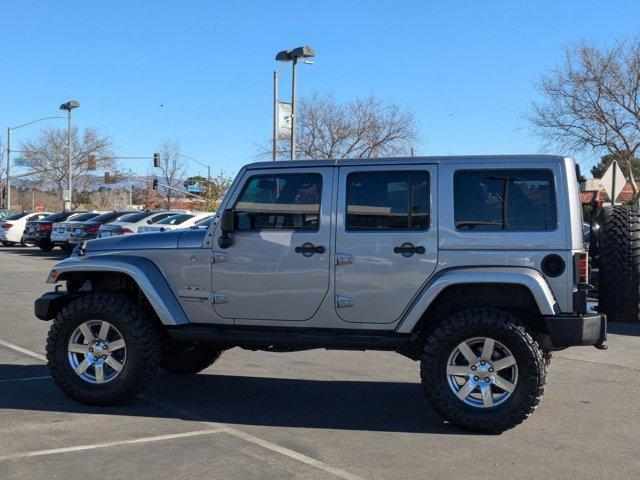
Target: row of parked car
65	229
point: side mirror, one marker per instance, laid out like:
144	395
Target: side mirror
227	226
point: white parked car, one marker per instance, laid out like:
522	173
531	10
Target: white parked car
132	222
61	231
179	220
12	227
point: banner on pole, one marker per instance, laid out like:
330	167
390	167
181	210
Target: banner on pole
284	120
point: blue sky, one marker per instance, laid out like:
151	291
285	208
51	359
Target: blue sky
466	68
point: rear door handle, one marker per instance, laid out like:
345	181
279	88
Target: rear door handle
407	249
307	249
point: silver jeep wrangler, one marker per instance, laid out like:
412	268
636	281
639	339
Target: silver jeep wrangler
474	266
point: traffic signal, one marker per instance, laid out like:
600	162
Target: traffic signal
156	160
91	162
155	183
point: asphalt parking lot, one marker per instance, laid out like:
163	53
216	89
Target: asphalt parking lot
313	414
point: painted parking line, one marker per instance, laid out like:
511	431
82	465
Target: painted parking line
26	379
117	443
18	348
216	427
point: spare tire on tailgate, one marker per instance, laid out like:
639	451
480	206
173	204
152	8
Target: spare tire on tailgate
619	263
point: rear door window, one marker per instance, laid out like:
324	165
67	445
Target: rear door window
378	201
504	199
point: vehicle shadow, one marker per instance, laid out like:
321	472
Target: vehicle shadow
624	329
239	400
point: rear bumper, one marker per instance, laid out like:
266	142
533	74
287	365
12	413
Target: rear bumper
575	330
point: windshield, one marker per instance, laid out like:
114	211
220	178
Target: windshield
176	219
17	216
83	217
135	217
56	217
109	216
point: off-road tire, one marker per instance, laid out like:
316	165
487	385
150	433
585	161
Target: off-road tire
141	339
46	247
188	358
504	328
619	273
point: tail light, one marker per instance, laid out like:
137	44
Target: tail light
582	267
7	226
127	230
45	227
92	229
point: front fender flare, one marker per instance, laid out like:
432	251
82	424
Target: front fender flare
143	271
527	277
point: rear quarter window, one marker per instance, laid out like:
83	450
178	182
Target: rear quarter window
505	200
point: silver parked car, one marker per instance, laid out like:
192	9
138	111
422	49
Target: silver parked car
473	266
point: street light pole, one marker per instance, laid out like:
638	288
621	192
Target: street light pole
293	108
275	115
69	158
9	130
8	182
292	56
70	105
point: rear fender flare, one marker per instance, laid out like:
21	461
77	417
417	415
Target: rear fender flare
527	277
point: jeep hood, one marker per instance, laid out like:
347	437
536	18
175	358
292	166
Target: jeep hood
188	238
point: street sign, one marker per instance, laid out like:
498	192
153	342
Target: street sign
39	207
194	188
284	120
613	181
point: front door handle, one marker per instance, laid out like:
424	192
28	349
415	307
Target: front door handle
407	249
307	249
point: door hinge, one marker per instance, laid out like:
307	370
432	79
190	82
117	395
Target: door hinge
342	301
220	257
219	297
344	259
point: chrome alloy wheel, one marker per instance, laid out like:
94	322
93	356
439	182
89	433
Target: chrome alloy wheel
96	351
482	372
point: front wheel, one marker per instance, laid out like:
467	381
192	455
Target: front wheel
482	371
102	350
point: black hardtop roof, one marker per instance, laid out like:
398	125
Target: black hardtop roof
407	160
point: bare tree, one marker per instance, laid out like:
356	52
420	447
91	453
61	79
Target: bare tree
47	155
173	168
213	191
361	128
591	102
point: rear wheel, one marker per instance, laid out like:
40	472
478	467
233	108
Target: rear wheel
46	247
619	264
188	358
482	371
102	350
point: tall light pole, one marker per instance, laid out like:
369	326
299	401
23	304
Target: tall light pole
68	106
293	56
9	130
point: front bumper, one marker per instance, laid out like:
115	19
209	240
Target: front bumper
575	330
